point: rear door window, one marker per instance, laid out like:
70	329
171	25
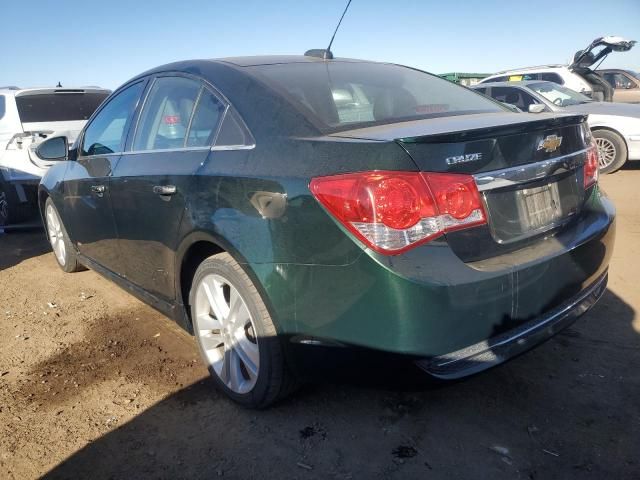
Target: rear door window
107	131
166	115
60	106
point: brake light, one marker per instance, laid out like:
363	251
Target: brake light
392	212
171	119
591	166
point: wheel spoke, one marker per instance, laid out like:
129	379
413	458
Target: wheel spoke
218	305
211	341
205	322
248	353
236	379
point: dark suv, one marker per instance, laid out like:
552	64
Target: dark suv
272	202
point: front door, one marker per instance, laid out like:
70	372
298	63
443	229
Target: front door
153	180
87	200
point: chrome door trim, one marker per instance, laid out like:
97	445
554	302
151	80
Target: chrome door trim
217	148
162	150
527	173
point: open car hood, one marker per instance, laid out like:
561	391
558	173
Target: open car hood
587	57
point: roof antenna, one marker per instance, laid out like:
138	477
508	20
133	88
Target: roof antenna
327	53
59	85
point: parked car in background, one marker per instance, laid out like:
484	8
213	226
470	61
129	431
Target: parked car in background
626	84
615	126
27	117
578	75
277	205
559	74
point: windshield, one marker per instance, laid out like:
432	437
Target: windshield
633	73
58	107
558	95
342	94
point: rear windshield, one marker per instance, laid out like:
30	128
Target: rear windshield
58	107
340	94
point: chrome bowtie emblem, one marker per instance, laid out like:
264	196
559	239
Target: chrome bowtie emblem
550	143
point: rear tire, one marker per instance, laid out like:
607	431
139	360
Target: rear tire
612	150
236	336
63	250
12	211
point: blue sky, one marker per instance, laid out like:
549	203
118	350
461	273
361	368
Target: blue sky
107	42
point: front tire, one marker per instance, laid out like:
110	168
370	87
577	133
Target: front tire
63	249
612	150
236	336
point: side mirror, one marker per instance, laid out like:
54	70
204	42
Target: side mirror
54	149
536	108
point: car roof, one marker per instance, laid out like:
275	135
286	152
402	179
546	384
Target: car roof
527	69
17	92
256	60
520	83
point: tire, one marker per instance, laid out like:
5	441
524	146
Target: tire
12	211
612	150
242	351
63	250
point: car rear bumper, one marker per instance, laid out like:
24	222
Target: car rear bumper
496	350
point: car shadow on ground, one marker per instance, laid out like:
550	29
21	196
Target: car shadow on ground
17	246
563	410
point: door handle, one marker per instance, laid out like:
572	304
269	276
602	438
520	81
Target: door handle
164	189
98	189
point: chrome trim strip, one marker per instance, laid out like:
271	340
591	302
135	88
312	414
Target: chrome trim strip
219	148
527	173
165	150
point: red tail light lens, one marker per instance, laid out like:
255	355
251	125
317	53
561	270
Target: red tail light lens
394	211
591	166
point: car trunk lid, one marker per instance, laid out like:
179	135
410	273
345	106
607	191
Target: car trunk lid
528	169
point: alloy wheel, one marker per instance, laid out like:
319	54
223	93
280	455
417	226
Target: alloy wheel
606	152
56	235
226	333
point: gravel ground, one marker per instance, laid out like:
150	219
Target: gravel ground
94	383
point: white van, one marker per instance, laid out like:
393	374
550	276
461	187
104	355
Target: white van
27	117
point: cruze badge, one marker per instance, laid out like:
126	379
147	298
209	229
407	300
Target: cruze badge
550	143
469	157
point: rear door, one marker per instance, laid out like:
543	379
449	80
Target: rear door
173	137
87	203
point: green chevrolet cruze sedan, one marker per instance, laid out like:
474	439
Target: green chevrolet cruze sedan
277	205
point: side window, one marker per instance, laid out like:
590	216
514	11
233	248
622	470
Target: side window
166	114
205	120
551	77
3	106
619	80
609	77
508	95
233	133
107	131
481	90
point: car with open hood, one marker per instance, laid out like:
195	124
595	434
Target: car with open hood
615	126
279	206
578	75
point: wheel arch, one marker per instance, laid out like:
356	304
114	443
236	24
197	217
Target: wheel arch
192	251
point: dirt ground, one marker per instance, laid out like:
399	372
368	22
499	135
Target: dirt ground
95	384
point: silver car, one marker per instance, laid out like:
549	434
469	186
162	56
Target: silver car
615	126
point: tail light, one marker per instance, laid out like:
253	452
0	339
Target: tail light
591	166
392	212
